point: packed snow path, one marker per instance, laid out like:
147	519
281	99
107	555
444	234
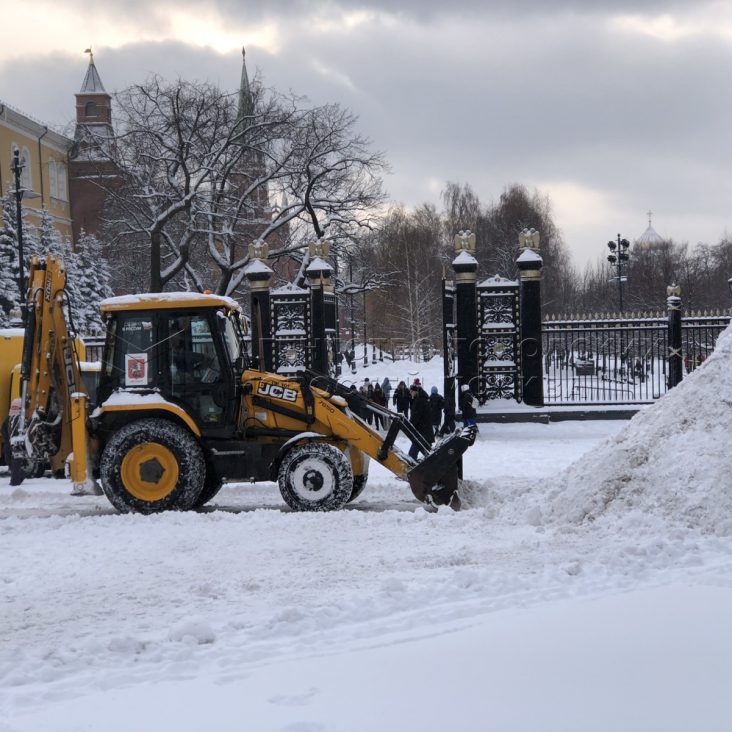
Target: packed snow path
554	603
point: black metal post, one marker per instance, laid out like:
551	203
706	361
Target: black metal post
353	319
448	326
532	363
330	316
319	274
17	168
617	257
319	341
333	316
365	353
466	269
675	356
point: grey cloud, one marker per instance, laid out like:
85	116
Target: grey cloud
424	10
488	102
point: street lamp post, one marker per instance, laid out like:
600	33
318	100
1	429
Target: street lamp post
17	170
365	351
618	257
20	193
353	319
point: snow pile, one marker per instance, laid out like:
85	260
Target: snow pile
673	460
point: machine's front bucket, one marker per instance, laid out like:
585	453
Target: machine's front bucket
435	479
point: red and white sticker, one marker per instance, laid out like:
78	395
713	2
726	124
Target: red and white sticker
136	369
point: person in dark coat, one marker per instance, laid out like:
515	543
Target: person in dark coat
467	406
354	401
437	404
378	398
420	418
367	392
402	399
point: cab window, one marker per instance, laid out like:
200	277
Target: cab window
131	351
196	373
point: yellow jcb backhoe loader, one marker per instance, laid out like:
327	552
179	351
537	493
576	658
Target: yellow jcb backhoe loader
179	411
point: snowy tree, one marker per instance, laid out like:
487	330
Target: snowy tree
93	283
46	241
408	248
9	297
195	176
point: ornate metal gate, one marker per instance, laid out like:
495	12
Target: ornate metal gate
499	348
290	328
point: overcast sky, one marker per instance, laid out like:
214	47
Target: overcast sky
612	108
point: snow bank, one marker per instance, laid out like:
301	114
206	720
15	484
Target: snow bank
673	460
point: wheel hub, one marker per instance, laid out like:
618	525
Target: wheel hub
313	480
149	471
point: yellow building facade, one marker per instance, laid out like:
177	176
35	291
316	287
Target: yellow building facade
45	177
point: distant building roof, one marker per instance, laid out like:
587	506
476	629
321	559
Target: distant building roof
650	238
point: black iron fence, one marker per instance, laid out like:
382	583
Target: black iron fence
699	333
610	360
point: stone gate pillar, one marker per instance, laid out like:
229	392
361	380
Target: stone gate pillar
258	274
529	264
466	274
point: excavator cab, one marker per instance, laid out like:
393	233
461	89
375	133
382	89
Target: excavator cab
192	355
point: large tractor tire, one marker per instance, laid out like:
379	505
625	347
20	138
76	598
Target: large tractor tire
152	465
315	476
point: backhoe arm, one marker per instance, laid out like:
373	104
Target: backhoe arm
52	423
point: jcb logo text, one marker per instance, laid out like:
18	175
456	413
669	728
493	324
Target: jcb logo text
277	392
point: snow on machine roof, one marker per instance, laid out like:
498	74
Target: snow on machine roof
164	300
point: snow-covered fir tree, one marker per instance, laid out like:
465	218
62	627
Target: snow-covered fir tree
48	242
9	296
93	283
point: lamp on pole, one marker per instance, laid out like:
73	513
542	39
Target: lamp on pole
20	192
365	353
618	258
353	319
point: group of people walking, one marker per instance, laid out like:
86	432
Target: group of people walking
424	411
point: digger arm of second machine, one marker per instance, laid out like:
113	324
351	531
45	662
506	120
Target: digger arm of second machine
54	415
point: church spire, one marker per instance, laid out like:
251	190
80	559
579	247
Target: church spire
246	102
92	81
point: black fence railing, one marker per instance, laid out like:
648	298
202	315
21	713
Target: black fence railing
610	360
699	335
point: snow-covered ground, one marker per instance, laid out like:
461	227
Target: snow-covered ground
590	598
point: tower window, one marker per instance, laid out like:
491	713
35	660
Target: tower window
90	109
